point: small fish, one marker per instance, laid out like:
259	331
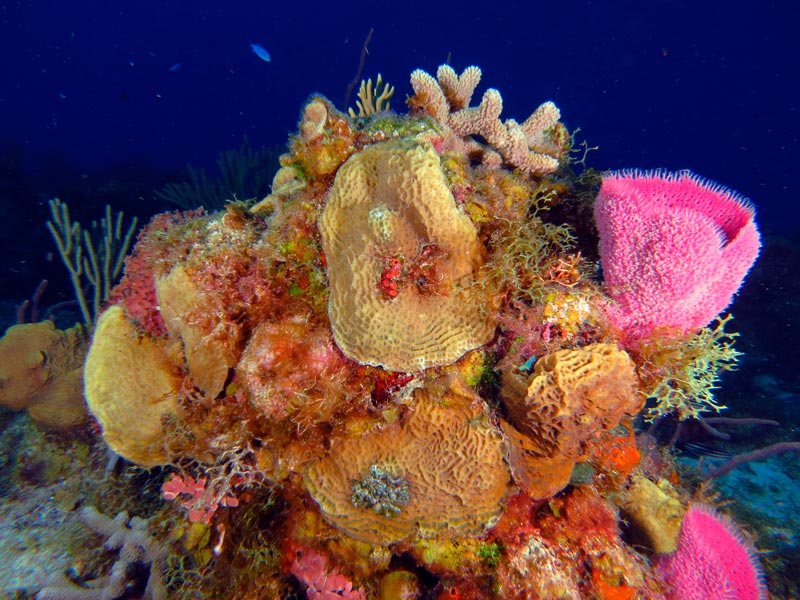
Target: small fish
175	67
261	52
704	450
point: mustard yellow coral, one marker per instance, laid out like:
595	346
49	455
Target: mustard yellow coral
401	257
210	344
571	395
440	471
40	370
131	384
655	512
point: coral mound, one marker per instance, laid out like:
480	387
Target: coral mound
713	561
401	258
439	472
394	377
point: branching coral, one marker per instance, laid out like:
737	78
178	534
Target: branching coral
368	103
139	552
94	255
531	146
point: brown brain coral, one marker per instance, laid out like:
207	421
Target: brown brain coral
570	396
401	258
439	472
542	477
131	384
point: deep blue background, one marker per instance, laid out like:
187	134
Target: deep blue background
707	86
90	109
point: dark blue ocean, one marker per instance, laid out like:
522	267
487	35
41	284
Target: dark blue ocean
108	102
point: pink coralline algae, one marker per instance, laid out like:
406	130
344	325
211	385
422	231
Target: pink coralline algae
674	248
322	583
194	496
713	561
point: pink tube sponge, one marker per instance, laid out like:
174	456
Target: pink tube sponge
713	561
674	248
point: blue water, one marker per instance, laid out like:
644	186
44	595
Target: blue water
674	85
103	102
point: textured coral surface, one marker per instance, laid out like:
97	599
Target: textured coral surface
390	204
131	384
446	454
399	375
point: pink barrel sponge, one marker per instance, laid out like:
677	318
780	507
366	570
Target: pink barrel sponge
674	249
713	561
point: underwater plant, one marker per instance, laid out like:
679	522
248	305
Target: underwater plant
244	174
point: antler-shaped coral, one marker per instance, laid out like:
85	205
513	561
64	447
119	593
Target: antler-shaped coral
368	102
527	146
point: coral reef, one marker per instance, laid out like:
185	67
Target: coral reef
399	376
